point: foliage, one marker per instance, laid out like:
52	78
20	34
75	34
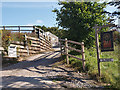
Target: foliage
6	39
116	37
109	70
31	34
80	18
61	33
16	36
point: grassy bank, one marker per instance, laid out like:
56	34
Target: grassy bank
109	70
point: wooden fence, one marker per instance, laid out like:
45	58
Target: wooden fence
32	45
18	28
64	50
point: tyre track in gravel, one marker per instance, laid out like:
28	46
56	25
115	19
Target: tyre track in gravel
39	72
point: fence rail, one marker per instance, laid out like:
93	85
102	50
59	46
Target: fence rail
18	28
66	48
37	45
40	44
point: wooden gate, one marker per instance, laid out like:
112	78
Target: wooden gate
64	50
30	45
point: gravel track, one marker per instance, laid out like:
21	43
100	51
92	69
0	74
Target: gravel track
40	71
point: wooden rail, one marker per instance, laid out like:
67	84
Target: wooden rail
40	44
18	28
66	48
37	45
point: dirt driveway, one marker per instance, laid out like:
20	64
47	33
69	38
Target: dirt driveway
40	71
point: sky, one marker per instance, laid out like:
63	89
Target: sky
32	13
29	13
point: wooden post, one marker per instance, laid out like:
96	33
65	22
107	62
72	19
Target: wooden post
60	49
3	27
39	39
97	29
19	28
27	50
97	49
66	50
83	55
34	30
27	45
50	42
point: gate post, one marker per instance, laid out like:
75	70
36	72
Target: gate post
66	50
60	48
83	55
26	44
19	28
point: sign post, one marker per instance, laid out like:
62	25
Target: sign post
97	49
97	29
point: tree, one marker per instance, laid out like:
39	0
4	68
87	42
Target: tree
79	19
61	33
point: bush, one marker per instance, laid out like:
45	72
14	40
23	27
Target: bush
8	37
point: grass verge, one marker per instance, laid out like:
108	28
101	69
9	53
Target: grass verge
109	70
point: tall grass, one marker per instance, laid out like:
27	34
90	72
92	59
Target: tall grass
109	70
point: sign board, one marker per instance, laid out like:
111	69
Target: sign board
106	60
12	51
107	41
1	48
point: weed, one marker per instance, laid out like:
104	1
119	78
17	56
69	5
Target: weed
109	70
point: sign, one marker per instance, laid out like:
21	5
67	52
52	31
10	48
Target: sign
1	48
12	51
106	60
107	41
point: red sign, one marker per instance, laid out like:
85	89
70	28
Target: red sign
107	41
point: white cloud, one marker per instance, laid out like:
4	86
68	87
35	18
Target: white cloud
39	21
29	24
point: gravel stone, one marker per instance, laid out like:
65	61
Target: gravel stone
38	72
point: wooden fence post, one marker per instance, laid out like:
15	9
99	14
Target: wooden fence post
83	55
50	42
39	36
19	28
3	27
27	44
66	50
60	49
